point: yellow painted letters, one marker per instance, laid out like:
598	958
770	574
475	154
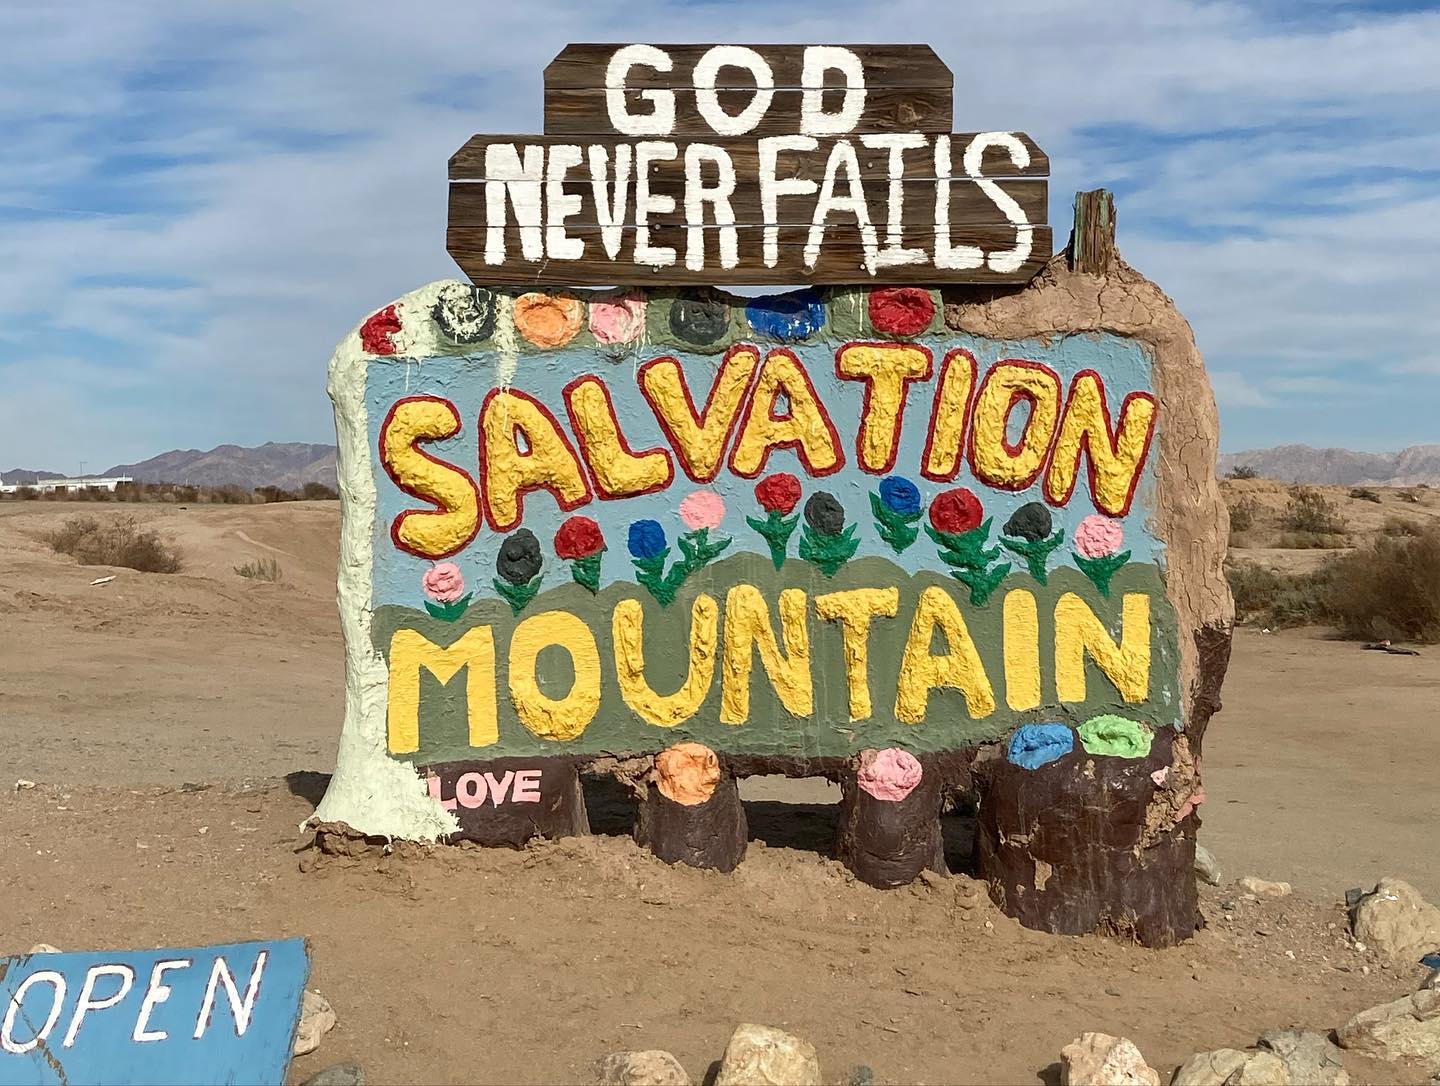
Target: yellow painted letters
664	710
960	668
438	532
747	627
411	650
854	610
1078	631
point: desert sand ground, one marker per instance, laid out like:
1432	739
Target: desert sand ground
177	727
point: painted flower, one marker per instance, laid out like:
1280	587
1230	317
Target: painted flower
1034	745
900	495
701	319
687	773
464	313
1031	521
646	539
956	511
519	558
443	582
375	333
890	774
824	514
778	493
1099	536
901	311
791	316
617	320
579	537
702	509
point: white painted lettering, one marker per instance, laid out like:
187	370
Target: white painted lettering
647	204
819	59
661	118
842	157
1007	260
7	1028
610	210
155	994
88	1003
697	196
773	187
895	253
220	974
947	255
559	205
707	99
505	174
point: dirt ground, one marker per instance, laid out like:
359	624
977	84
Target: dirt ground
486	966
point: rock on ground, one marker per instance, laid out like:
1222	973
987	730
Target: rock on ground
43	948
1407	1029
1098	1059
338	1074
1210	1068
653	1067
1208	868
1264	887
762	1056
1397	921
1310	1057
317	1018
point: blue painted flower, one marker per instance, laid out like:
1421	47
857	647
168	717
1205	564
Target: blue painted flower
1035	745
900	495
647	539
795	315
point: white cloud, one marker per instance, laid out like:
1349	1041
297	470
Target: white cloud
288	164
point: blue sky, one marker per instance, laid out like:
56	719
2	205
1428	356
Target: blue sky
198	200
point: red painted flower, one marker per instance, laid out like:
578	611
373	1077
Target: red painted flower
956	511
375	333
578	537
778	493
901	311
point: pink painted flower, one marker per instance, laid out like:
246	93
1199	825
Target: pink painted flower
617	320
890	774
443	583
702	509
1098	536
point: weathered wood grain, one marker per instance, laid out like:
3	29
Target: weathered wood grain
841	258
887	109
468	163
967	203
1092	242
582	65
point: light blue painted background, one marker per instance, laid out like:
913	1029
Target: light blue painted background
104	1051
464	380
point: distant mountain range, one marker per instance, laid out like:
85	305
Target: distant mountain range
289	464
1340	467
293	464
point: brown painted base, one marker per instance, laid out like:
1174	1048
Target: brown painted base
712	834
1065	848
507	801
888	843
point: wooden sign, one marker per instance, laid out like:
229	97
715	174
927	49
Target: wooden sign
697	164
200	1015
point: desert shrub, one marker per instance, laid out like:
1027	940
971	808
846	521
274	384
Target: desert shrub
1311	541
1244	515
319	492
1400	526
1364	494
1390	588
275	494
1411	496
1310	511
1243	471
261	569
1270	598
229	495
119	542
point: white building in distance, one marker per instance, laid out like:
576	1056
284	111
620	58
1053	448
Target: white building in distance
69	486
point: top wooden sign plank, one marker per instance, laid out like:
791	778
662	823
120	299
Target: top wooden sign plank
585	65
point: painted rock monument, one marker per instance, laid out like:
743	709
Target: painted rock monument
917	541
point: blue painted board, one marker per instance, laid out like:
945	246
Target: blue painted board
198	1015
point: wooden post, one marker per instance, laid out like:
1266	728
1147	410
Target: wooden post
887	838
1092	242
1069	847
692	813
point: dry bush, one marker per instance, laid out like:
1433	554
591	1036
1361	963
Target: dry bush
1401	526
1244	471
1244	515
1311	541
1365	494
1268	598
1411	496
319	492
1390	588
1310	511
119	542
261	569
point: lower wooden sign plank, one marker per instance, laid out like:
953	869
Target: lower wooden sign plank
995	159
531	204
976	254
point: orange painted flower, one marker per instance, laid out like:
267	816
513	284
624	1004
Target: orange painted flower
548	320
